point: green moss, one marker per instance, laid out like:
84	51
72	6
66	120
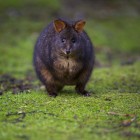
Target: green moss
70	116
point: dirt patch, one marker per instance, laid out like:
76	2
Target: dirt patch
15	85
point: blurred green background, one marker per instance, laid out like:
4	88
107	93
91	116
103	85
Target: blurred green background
113	27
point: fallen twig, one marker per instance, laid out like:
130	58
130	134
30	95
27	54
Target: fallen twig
125	122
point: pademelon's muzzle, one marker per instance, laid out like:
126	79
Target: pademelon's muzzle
68	52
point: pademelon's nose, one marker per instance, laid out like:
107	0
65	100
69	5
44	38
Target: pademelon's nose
67	51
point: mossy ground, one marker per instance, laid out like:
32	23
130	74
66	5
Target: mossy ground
111	113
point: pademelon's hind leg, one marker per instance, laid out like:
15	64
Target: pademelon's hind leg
52	86
53	89
80	89
46	77
82	81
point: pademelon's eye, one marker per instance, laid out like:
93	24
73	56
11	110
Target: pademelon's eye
73	40
63	40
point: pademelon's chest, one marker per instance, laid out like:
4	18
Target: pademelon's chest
68	67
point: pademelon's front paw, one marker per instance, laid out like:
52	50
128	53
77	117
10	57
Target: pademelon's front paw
83	92
86	93
52	94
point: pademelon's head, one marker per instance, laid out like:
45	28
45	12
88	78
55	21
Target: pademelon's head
69	38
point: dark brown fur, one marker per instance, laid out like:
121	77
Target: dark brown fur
64	55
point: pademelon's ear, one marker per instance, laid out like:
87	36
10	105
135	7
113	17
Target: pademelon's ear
59	25
79	25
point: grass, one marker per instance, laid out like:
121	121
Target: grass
34	115
112	112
